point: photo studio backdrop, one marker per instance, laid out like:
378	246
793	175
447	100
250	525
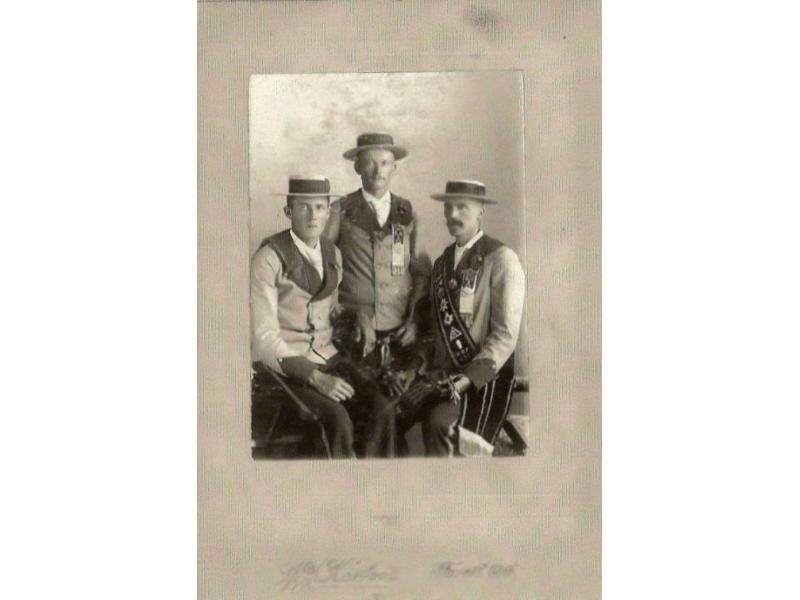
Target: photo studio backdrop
455	125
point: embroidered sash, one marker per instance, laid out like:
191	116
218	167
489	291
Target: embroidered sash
455	334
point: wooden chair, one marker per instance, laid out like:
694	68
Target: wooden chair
518	443
282	426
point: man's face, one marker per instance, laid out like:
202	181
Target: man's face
376	168
309	216
463	216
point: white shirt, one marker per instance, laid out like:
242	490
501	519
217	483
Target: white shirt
313	255
460	250
381	206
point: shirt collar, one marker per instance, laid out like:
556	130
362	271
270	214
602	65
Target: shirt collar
302	245
471	242
385	199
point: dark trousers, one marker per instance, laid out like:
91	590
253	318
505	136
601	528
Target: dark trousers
363	425
438	422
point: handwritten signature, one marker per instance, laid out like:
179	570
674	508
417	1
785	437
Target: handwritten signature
301	575
459	569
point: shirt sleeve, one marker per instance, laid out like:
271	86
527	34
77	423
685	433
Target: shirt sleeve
508	301
267	344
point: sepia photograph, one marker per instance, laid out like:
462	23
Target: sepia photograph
399	257
387	293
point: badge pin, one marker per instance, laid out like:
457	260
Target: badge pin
453	284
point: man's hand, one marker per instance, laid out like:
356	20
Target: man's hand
407	333
400	381
461	383
331	386
365	332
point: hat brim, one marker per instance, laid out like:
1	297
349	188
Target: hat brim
305	195
484	199
398	151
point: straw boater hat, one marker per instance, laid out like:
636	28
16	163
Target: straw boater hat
464	188
306	187
369	141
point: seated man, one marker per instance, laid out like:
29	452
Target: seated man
293	288
477	298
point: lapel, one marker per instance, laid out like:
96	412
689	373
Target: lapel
330	270
399	213
472	258
298	270
452	283
362	215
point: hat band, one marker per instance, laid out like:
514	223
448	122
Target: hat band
462	187
310	186
375	139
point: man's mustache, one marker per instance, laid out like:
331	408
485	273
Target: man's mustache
455	222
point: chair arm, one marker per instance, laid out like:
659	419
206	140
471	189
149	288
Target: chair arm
264	373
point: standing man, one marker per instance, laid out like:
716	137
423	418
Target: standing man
477	296
293	290
377	232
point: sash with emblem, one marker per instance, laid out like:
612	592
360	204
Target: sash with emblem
482	411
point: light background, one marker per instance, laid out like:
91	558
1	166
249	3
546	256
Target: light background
455	125
542	511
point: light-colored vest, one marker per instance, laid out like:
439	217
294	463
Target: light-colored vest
367	279
304	312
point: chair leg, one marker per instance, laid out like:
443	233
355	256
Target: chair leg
517	441
273	423
325	444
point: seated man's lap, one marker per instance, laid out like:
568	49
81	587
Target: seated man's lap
326	409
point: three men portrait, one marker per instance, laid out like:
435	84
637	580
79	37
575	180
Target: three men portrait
359	333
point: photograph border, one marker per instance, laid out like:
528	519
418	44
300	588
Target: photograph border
540	512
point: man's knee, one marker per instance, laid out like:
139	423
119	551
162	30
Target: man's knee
381	403
336	417
440	419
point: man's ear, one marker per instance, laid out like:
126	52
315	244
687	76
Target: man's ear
287	211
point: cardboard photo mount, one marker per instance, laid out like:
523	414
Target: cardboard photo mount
525	527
